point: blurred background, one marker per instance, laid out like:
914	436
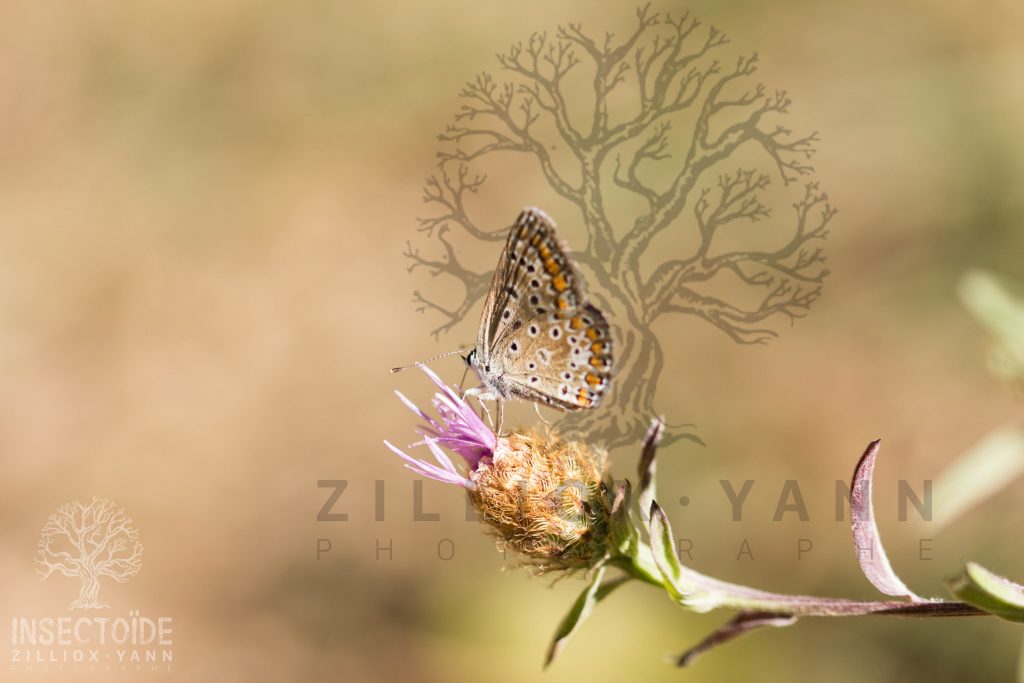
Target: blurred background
203	209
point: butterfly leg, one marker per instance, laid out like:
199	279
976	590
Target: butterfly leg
549	427
486	412
481	396
499	405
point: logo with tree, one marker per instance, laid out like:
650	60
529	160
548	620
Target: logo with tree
89	542
676	167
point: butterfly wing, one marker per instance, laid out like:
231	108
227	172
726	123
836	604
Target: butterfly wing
520	281
554	346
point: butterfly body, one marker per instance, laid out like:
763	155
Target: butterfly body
539	337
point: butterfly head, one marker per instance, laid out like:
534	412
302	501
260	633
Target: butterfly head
481	368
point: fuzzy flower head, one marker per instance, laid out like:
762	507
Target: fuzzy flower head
546	498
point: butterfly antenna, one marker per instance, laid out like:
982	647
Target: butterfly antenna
429	360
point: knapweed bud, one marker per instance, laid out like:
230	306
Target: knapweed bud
546	499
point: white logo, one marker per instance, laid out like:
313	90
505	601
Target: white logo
89	542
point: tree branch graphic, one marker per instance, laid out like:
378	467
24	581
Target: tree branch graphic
665	127
89	541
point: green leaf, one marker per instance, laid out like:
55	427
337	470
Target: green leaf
989	592
998	304
980	473
646	465
622	533
664	551
581	609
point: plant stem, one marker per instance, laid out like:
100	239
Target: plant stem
709	594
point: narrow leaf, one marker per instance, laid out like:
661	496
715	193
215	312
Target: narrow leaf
663	549
620	500
646	466
581	609
867	543
981	472
622	532
989	592
742	623
998	304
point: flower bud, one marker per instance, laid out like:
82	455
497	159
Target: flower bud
545	498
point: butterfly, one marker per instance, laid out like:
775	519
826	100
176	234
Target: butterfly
539	338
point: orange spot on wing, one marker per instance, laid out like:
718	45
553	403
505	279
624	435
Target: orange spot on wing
583	399
576	323
593	333
559	282
552	266
592	379
596	347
